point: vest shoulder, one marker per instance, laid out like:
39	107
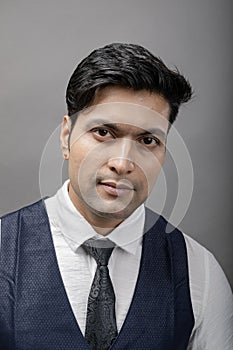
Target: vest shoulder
196	252
155	220
28	209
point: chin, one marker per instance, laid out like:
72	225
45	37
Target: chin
114	212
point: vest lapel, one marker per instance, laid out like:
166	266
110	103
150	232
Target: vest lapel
150	320
44	315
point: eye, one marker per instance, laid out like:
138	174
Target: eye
150	141
101	133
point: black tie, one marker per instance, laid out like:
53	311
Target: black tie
101	329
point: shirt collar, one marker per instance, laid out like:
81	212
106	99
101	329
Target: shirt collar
76	229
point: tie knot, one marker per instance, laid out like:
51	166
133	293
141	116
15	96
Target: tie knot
100	250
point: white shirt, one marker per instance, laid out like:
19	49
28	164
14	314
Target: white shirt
211	294
69	231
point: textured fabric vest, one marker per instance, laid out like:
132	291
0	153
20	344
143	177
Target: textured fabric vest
35	313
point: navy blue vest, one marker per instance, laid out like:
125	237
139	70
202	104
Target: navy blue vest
35	313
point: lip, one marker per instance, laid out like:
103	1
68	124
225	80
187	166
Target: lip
117	185
116	188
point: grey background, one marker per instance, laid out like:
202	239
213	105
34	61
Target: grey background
42	42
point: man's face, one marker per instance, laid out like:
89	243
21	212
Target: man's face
117	149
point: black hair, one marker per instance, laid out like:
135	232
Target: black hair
125	65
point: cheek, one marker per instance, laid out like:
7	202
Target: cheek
84	162
75	160
149	173
79	151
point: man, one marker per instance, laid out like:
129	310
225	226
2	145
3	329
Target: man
91	268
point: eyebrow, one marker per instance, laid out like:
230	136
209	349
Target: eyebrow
156	131
153	131
101	122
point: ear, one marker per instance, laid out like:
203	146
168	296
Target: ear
64	136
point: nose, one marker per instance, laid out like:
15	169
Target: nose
121	166
121	162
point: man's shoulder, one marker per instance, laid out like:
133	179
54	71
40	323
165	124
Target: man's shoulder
194	248
29	209
28	219
155	223
153	219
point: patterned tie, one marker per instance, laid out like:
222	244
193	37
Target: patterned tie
101	329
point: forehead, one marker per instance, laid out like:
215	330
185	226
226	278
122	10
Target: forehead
144	98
